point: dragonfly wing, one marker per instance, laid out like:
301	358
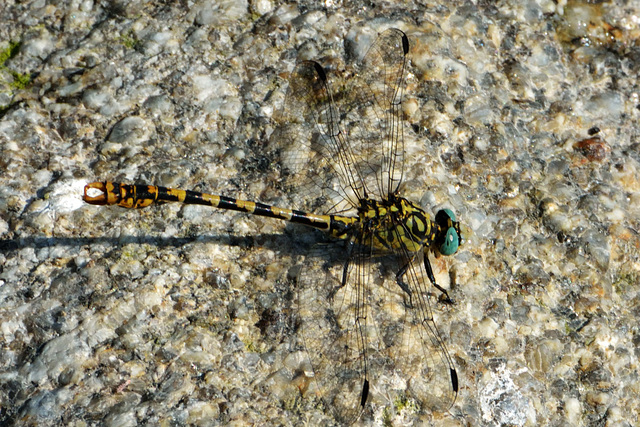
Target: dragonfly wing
335	324
367	333
318	156
420	353
348	144
373	109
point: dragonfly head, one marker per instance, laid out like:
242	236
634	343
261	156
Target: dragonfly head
449	236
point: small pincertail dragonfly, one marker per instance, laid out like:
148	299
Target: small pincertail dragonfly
363	338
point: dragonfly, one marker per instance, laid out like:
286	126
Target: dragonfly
365	338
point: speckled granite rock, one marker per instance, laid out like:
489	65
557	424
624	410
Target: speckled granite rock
525	121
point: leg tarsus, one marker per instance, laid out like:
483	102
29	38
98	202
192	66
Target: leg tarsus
444	296
399	275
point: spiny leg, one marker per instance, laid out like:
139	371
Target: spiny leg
347	262
399	280
444	296
345	270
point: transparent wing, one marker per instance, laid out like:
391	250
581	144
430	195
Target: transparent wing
369	342
318	156
347	145
370	339
422	356
335	323
377	91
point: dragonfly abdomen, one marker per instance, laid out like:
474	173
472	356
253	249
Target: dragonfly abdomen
137	196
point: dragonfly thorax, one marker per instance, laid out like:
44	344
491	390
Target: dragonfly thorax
397	223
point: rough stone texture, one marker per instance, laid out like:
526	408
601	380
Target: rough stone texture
524	119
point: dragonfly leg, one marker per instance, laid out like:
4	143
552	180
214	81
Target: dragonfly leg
444	296
345	271
345	268
399	275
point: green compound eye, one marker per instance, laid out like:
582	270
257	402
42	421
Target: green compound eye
451	242
446	219
451	214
